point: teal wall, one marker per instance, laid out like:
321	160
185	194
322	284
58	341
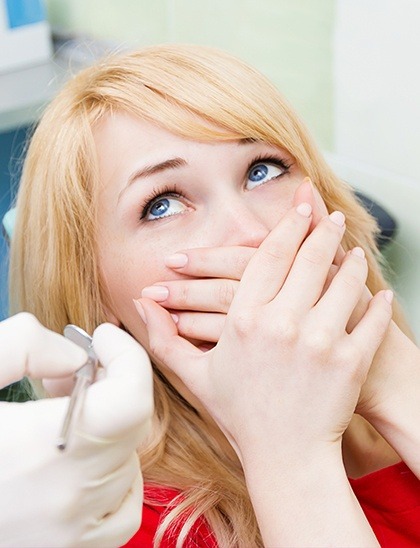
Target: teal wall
288	40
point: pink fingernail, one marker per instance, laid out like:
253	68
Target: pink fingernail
389	296
155	292
359	252
175	318
304	209
140	310
338	218
177	260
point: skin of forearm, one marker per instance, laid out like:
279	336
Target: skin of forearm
396	413
306	503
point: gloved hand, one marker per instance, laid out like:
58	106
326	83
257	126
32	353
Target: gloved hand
90	494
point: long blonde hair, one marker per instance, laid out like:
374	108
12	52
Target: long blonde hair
54	272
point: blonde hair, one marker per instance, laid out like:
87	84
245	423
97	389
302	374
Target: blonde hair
202	94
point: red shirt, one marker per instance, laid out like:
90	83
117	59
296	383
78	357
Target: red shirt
390	498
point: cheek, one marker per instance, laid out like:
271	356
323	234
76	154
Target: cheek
275	201
126	267
125	272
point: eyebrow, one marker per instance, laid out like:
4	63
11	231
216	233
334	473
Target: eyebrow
146	171
172	163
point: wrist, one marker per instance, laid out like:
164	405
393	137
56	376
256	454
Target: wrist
395	410
313	485
393	375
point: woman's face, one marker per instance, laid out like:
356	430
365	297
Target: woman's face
161	193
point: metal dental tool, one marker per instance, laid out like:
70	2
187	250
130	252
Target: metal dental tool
85	376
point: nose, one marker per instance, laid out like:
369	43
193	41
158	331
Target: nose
237	224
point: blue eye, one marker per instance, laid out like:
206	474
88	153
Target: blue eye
262	172
164	206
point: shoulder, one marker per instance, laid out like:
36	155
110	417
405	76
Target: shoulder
390	499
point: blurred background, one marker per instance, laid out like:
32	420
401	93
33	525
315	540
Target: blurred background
350	67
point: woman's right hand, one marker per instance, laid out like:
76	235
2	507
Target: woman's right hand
90	494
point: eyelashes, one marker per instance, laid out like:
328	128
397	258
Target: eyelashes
270	159
156	194
170	191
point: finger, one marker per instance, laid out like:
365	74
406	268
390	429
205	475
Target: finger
167	347
268	268
122	401
201	326
371	329
344	292
360	309
212	262
306	192
117	528
56	388
309	272
27	348
109	482
212	295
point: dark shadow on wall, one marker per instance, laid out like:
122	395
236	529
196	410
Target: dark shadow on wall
11	151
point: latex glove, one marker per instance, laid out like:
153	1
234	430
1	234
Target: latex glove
91	494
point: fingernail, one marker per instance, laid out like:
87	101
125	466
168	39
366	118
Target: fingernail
359	252
175	318
140	310
338	218
177	260
304	209
389	296
155	292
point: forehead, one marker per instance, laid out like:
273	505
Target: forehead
127	132
121	137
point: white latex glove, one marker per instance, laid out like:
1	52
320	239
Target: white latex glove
90	494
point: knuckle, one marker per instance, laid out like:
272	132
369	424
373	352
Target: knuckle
320	342
184	294
288	328
275	253
225	294
244	323
240	262
349	355
27	320
353	281
187	323
313	256
158	348
28	325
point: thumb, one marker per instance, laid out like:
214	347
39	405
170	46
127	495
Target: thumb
27	348
167	347
122	399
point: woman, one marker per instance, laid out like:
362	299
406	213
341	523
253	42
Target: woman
177	148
